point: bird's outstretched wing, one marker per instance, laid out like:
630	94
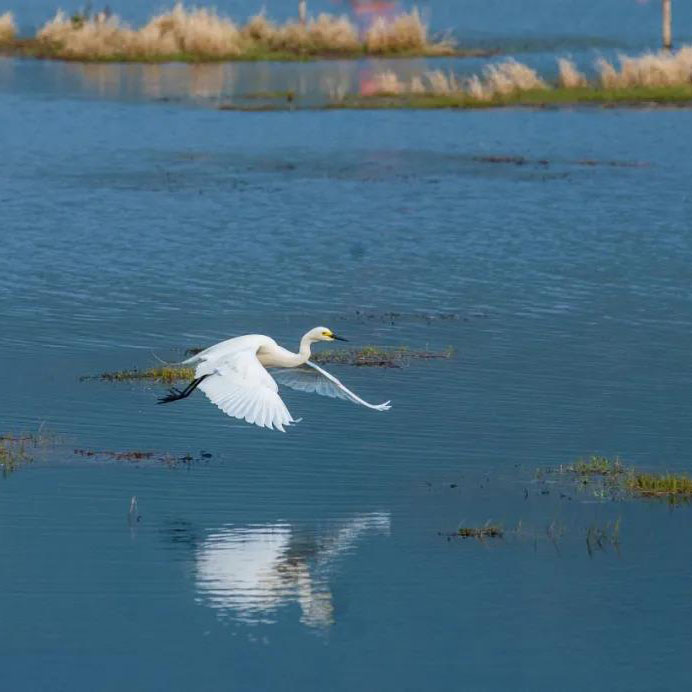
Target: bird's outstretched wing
241	387
312	378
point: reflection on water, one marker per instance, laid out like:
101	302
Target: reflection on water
253	571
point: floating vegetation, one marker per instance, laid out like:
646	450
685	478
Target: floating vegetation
595	466
166	374
138	455
612	479
669	485
8	29
650	78
369	356
199	34
377	357
19	450
481	532
13	453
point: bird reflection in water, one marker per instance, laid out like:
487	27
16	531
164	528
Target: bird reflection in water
251	572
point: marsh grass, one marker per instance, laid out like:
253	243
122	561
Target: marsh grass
670	485
595	466
481	532
19	450
14	453
166	374
8	29
199	34
612	479
369	356
650	78
542	98
378	357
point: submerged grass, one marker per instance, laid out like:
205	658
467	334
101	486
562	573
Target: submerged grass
200	34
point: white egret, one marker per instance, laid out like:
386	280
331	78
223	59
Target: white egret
235	375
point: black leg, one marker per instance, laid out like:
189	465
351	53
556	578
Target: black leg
175	394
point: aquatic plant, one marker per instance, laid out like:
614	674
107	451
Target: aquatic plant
406	33
569	76
660	485
648	70
18	450
510	82
202	34
164	373
481	532
498	79
8	29
375	356
13	453
595	466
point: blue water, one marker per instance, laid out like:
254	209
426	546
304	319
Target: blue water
319	559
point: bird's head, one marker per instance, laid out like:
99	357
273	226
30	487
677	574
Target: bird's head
323	334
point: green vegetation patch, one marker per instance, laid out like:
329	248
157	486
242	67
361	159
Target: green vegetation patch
378	357
165	374
635	96
595	466
668	485
14	452
19	450
612	479
368	356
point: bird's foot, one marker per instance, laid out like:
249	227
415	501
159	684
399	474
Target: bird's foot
174	394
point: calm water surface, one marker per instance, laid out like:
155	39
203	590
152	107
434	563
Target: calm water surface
314	560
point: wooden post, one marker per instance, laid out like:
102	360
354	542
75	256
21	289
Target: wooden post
667	26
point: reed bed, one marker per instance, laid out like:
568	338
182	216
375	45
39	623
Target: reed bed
648	70
500	82
498	79
8	29
202	34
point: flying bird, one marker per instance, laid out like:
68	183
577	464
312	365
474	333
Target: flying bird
240	376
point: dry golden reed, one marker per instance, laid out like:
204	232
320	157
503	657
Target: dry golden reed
648	70
203	33
569	76
511	77
8	29
499	79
